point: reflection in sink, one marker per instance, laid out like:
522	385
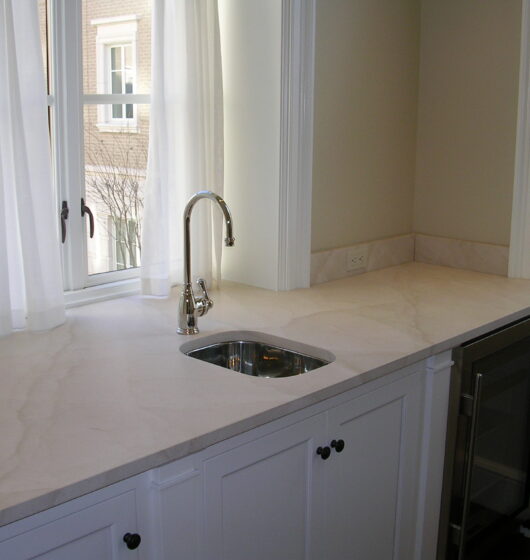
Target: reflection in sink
259	359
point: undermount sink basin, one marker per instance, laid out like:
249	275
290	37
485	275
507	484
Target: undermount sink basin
250	354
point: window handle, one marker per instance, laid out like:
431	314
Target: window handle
64	216
86	210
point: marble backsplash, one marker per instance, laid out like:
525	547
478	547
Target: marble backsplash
471	255
382	253
391	251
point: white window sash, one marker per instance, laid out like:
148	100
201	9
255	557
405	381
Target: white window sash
67	102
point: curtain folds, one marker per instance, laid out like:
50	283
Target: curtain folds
186	143
31	292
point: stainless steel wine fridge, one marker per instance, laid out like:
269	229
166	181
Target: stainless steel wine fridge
486	479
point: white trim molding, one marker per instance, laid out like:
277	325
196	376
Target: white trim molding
102	292
519	260
296	143
67	131
112	20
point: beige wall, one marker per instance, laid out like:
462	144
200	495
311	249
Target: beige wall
467	118
365	120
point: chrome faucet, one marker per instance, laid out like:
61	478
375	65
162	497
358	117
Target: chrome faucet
191	307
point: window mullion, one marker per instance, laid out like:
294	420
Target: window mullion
110	98
68	132
123	79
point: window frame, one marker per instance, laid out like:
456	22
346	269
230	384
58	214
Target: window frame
297	55
66	101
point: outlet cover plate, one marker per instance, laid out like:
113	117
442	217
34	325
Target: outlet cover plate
357	258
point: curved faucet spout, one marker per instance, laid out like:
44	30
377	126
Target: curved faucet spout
229	239
190	306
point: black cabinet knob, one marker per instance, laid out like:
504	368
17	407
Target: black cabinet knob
132	540
338	445
324	452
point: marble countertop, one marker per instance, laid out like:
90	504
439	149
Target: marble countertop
109	395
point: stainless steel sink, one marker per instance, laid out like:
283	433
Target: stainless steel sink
257	358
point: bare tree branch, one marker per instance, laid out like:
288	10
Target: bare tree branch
115	180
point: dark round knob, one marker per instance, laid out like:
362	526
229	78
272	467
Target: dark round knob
324	452
338	445
132	540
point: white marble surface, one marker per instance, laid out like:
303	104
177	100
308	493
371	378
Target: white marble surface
109	395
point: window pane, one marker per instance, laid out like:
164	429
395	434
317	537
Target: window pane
115	58
110	29
128	57
115	169
116	83
117	111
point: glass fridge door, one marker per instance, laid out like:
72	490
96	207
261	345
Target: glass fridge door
495	474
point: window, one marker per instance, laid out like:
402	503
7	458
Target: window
99	70
115	48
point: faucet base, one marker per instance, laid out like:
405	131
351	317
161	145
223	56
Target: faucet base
188	330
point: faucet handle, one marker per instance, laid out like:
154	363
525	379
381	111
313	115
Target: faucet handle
204	303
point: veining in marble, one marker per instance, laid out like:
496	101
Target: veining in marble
470	255
72	397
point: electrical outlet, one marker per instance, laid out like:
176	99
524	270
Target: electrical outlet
356	258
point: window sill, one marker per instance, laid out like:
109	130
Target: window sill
118	128
102	292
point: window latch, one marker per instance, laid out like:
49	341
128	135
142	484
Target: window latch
86	210
64	216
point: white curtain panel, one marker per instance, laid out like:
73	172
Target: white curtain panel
31	294
186	143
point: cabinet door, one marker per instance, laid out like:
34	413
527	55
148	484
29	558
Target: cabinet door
264	499
371	484
92	533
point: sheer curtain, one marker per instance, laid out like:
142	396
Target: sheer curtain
186	143
31	293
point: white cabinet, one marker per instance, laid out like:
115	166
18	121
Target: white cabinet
264	499
274	496
92	527
371	483
178	509
93	532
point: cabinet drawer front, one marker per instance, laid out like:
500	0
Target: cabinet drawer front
92	533
261	497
